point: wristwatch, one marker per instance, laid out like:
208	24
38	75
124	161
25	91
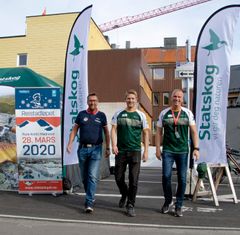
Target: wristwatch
196	148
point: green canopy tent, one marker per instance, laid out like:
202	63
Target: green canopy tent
24	77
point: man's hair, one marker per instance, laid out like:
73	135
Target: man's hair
91	94
131	91
176	90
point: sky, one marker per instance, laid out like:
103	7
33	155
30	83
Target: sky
184	24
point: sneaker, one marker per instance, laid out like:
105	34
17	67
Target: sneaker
88	209
122	201
178	212
131	211
166	207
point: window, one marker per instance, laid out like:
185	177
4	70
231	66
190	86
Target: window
22	60
155	98
165	99
157	73
154	127
185	98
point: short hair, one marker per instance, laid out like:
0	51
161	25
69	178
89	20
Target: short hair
131	91
91	94
176	90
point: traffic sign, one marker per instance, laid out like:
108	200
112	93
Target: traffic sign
185	74
185	70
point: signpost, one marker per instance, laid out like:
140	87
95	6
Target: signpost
186	72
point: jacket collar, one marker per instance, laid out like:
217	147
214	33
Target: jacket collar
92	112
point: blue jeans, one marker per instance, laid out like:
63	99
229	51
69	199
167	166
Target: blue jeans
181	161
89	163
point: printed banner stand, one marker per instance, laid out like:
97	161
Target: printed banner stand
38	134
75	89
75	81
212	75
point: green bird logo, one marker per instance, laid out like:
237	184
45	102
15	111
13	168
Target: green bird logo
216	43
77	47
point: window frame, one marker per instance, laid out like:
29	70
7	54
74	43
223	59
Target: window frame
158	98
154	127
18	59
163	95
153	73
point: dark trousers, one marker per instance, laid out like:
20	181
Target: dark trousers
133	160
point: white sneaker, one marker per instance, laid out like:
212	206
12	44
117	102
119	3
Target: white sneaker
166	207
88	209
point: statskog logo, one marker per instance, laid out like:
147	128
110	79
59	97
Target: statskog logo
77	47
211	71
215	42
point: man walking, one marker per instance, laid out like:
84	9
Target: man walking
127	128
90	123
172	133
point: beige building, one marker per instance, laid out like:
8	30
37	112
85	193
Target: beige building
43	48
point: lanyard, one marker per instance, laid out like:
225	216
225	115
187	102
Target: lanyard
175	119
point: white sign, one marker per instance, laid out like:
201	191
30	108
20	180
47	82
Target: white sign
185	74
76	80
38	133
213	70
185	70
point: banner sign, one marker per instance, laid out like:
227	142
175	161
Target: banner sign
76	80
212	68
38	133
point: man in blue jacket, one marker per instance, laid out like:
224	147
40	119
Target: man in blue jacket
91	124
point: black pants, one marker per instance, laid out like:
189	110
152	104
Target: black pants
133	160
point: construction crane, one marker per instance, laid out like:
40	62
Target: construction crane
127	20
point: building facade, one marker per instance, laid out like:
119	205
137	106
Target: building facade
233	112
43	47
150	71
234	87
112	73
162	63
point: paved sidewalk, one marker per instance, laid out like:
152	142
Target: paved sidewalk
69	208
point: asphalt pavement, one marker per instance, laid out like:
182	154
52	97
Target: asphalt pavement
200	215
